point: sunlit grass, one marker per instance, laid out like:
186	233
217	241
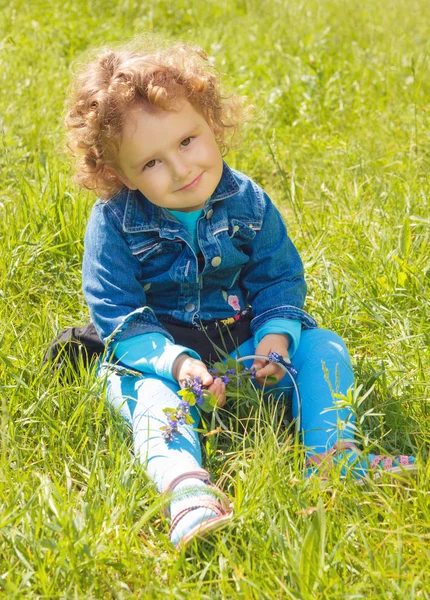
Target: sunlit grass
340	139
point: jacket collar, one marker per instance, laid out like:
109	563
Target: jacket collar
142	215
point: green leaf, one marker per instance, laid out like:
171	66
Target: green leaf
271	380
233	364
186	394
405	239
312	554
209	402
402	278
221	368
189	420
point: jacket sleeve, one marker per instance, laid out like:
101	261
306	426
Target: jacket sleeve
274	276
151	353
111	279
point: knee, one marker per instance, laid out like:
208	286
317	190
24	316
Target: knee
326	340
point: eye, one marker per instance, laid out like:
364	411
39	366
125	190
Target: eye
186	142
150	164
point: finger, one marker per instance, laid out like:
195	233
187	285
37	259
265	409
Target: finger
204	375
221	400
195	368
259	363
268	369
218	390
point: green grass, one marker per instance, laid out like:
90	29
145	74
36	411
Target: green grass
340	139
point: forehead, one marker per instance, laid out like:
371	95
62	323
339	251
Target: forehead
145	126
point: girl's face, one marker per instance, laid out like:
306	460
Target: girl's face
171	157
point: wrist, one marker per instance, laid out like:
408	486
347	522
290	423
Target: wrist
282	338
179	361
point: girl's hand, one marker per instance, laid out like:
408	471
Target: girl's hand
274	342
186	367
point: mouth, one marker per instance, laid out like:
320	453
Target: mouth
192	184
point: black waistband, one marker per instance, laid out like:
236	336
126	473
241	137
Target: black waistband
209	325
212	338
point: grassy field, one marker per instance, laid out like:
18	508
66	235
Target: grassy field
340	139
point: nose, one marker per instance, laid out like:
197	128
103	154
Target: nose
180	169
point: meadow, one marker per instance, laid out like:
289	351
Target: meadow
340	140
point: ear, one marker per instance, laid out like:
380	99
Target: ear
116	174
126	182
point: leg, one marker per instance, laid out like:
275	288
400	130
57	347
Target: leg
324	367
140	401
175	465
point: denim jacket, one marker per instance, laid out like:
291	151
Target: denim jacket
140	270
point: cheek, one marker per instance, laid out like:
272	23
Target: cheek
213	154
155	182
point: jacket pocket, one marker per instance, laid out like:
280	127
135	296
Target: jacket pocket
158	259
151	248
242	231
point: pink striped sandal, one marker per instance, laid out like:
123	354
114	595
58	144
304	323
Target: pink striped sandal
397	465
376	463
218	505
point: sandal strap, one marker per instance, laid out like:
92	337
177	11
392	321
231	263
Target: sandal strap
317	459
200	502
202	475
197	474
387	462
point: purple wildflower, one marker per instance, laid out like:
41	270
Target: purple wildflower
225	379
168	435
197	389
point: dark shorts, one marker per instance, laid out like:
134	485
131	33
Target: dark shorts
212	340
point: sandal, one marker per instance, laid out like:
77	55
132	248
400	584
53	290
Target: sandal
398	465
219	505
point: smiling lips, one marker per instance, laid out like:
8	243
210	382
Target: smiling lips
191	185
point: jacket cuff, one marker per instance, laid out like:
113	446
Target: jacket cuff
283	312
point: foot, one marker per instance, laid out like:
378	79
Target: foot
352	462
197	508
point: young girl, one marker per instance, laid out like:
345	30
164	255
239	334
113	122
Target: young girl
179	247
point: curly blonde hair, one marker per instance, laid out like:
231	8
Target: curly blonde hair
107	87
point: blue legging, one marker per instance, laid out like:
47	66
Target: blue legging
323	367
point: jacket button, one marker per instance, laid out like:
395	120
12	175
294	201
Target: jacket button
216	261
189	307
209	213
